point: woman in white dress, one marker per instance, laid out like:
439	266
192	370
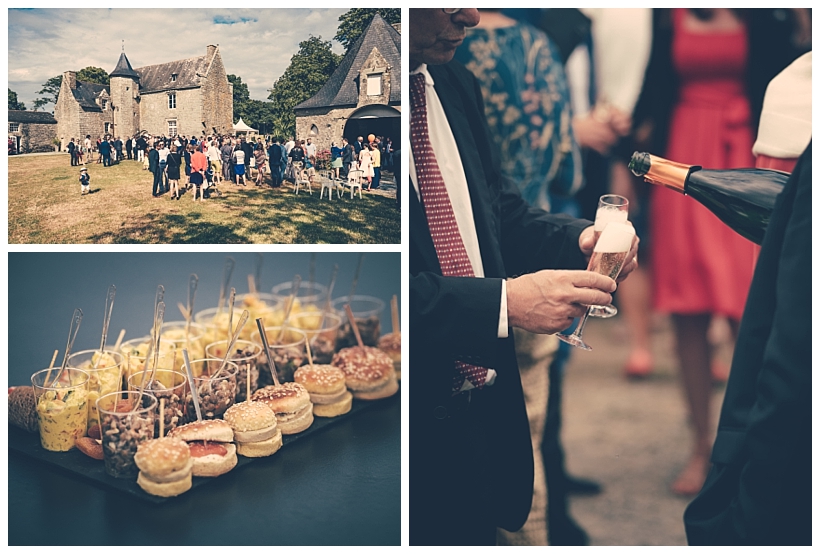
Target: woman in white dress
366	163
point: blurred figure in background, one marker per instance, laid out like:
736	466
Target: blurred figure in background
700	105
526	102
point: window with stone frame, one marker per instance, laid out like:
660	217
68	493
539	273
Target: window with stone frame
172	127
107	127
172	100
14	127
314	130
374	84
104	103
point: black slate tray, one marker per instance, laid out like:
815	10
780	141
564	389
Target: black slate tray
79	465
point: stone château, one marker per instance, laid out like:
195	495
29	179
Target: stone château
186	97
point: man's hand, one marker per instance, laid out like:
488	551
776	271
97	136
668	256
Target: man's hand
548	301
593	133
586	242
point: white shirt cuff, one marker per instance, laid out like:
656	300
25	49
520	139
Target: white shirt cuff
503	328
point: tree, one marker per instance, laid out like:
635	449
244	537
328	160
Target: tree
93	74
353	23
13	103
49	92
309	70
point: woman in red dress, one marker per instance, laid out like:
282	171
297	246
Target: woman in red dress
713	74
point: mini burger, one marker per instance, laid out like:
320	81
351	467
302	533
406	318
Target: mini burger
369	372
254	429
326	385
391	345
291	404
210	444
165	466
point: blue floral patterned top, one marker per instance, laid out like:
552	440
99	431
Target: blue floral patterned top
527	103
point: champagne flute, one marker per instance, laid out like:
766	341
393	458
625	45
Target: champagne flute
611	207
609	256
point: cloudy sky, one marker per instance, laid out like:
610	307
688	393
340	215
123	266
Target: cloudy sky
255	44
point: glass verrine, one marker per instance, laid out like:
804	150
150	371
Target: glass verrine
216	394
246	356
134	351
105	378
310	297
126	420
62	407
611	207
367	311
175	333
288	353
607	259
167	384
260	304
322	340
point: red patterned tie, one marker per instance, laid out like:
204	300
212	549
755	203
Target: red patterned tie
441	219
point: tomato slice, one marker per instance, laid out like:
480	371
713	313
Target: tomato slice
204	448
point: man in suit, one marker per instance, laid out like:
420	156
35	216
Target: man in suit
72	152
758	491
153	167
471	461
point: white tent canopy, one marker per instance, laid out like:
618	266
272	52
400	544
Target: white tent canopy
242	127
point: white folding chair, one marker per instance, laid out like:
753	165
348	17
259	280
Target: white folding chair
301	177
328	180
354	181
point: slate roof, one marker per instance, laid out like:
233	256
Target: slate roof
86	94
154	78
21	116
341	89
124	68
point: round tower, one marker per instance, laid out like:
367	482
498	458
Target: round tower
124	87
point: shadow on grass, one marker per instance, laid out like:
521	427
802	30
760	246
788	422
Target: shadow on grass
284	218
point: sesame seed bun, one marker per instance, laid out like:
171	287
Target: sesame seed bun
214	465
251	422
335	408
291	404
391	345
369	372
165	466
321	380
215	430
262	448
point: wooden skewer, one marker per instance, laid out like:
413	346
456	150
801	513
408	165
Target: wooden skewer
297	280
161	417
309	355
119	340
394	309
248	385
53	359
251	284
353	325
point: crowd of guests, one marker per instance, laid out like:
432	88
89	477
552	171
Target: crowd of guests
182	163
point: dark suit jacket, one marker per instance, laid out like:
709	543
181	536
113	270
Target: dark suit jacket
471	467
759	489
153	161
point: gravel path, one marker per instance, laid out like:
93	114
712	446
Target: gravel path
631	436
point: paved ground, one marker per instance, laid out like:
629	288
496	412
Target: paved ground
630	436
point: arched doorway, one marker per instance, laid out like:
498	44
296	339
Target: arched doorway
376	119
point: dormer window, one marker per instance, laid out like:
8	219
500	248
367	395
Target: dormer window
104	103
173	77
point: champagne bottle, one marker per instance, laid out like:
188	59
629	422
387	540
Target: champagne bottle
742	198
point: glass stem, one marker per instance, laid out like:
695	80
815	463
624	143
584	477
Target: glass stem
580	329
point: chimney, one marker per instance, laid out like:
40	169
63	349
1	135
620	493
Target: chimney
211	51
71	76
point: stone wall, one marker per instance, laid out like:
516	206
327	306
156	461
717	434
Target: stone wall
330	124
67	112
217	97
36	137
155	113
124	92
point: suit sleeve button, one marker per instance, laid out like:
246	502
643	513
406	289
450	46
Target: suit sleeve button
440	412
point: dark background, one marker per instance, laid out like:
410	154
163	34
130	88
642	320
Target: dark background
338	486
45	288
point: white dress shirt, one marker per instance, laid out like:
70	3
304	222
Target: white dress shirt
452	171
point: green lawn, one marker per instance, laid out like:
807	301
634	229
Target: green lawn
45	206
